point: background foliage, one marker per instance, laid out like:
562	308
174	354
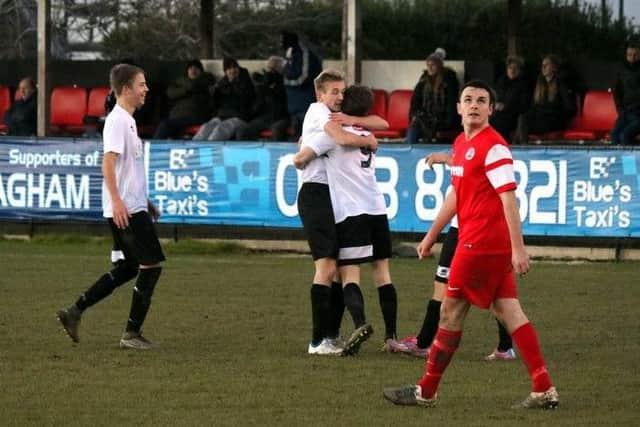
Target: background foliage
392	29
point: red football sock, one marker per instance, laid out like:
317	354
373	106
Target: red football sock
441	351
526	340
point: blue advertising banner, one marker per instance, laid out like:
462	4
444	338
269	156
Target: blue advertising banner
561	192
50	179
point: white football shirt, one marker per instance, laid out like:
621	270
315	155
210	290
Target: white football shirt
314	120
120	135
351	173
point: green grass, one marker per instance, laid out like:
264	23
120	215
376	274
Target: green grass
234	328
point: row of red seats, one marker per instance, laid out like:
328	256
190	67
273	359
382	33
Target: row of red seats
594	120
69	107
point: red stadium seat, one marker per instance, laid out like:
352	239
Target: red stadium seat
5	104
192	130
380	100
379	103
95	106
68	109
397	114
597	119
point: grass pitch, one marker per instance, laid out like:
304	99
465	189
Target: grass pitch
233	329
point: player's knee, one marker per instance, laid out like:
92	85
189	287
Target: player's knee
147	279
123	273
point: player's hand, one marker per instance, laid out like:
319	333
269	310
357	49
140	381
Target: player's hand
120	214
520	261
437	158
154	212
372	145
342	118
424	248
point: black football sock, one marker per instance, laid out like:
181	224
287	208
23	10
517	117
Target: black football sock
105	285
505	339
320	305
336	311
430	324
141	299
389	306
354	302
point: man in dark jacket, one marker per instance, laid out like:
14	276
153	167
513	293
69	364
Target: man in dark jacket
190	95
22	117
270	108
512	98
233	98
302	66
626	94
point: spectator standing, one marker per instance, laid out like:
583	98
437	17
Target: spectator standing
626	94
270	108
433	104
553	103
22	117
512	98
302	67
190	95
233	98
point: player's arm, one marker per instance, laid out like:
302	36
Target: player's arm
342	137
446	213
120	213
372	122
303	157
438	158
519	256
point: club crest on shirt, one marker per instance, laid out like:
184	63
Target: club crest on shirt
470	153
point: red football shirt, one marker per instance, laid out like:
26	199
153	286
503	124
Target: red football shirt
482	168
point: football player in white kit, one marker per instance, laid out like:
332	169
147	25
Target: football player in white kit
314	207
360	216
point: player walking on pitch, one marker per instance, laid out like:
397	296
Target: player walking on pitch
490	249
128	210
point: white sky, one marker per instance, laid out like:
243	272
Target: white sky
631	8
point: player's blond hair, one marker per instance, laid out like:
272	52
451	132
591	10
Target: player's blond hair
325	77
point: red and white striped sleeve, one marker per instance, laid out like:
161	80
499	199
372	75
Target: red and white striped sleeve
499	168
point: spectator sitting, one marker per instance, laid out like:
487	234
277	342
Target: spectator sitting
512	98
270	108
433	104
190	95
626	94
233	97
302	66
22	117
553	103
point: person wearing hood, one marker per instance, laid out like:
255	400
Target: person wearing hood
302	66
626	94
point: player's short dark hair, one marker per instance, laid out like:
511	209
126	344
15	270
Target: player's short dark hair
357	101
481	84
122	75
327	76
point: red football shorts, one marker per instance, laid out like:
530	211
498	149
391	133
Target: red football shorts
481	279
